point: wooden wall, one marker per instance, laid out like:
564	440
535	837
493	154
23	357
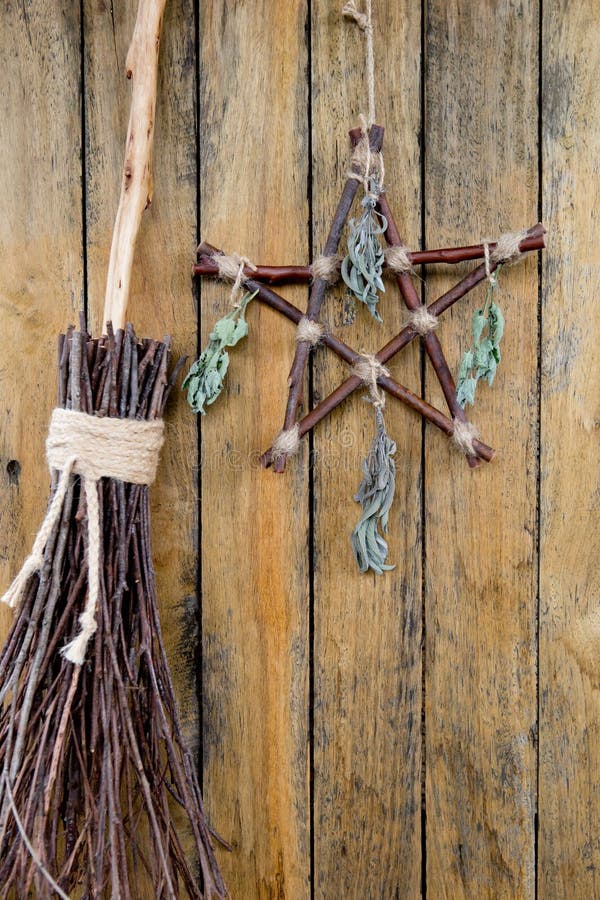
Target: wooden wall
435	730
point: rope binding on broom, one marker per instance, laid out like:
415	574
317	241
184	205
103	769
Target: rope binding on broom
93	448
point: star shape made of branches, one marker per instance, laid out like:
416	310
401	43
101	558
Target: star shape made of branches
258	279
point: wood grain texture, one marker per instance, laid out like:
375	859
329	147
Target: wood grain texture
255	591
161	299
481	567
569	802
367	629
41	286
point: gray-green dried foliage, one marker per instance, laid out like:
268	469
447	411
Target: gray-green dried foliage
482	358
204	381
376	495
363	266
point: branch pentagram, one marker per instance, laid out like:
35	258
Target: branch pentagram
257	279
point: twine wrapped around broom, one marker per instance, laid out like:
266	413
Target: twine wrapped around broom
95	777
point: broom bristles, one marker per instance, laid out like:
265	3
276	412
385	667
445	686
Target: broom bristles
92	759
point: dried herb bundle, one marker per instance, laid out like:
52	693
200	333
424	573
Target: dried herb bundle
376	495
204	382
482	358
92	760
362	268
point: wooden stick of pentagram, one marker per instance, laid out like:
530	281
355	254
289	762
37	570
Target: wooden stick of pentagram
534	241
303	274
431	341
291	312
317	294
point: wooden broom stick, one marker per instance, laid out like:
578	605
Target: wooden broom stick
136	186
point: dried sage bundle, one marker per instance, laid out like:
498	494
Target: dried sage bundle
376	495
205	380
363	266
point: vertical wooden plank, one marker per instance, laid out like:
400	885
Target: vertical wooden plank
569	801
480	608
40	251
367	628
254	156
161	296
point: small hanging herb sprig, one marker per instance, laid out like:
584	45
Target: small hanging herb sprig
204	381
362	267
482	358
376	495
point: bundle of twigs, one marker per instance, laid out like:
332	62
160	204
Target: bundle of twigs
93	767
92	756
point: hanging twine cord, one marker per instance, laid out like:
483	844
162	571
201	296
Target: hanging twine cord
368	368
463	436
422	321
365	23
231	268
327	268
397	259
287	443
491	276
309	332
363	159
94	448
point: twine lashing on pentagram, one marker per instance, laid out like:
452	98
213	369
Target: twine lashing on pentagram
397	259
309	331
231	268
94	448
463	436
422	321
287	443
327	268
368	368
507	250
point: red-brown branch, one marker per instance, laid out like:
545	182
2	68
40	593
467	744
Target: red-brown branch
317	294
533	241
431	341
277	275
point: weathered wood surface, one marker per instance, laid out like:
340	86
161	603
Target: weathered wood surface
255	586
367	629
569	786
480	545
324	710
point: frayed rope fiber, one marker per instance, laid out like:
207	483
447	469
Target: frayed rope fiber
422	321
368	368
327	268
286	443
231	268
397	259
507	249
463	436
94	448
309	332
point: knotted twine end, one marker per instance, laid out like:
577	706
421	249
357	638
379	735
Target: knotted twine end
368	368
463	436
287	443
231	268
397	259
422	321
309	332
507	249
94	448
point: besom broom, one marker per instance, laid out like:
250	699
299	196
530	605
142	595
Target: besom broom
93	764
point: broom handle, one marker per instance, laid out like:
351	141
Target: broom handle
136	185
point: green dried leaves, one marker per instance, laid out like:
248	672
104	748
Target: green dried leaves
204	381
376	495
362	267
482	358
